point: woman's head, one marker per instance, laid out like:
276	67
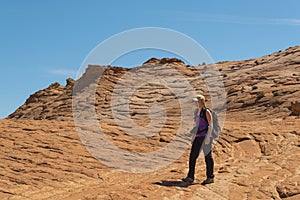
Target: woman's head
200	100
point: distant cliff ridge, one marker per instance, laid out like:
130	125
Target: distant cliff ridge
265	85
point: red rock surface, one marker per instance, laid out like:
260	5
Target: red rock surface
257	155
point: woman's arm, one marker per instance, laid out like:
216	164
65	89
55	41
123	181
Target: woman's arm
210	126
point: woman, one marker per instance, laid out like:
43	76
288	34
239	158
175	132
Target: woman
202	140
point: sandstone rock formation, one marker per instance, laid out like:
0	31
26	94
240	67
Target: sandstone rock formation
164	61
257	156
255	88
54	102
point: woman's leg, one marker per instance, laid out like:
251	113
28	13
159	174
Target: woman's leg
209	161
194	155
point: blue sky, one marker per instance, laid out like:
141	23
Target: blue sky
46	41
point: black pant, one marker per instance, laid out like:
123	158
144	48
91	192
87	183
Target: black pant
199	144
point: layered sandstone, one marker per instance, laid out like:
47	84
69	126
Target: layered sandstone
43	156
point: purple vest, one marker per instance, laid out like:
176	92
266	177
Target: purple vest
202	124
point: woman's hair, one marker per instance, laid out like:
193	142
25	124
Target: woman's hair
203	102
200	98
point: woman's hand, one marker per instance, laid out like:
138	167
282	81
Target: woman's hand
207	140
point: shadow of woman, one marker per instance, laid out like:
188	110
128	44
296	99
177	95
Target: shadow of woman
168	183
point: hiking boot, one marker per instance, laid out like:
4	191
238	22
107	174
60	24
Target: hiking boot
208	181
188	180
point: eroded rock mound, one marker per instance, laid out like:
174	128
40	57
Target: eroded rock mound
163	61
54	102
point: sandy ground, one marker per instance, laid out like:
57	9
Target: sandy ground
44	159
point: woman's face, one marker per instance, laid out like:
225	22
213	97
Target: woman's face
199	103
